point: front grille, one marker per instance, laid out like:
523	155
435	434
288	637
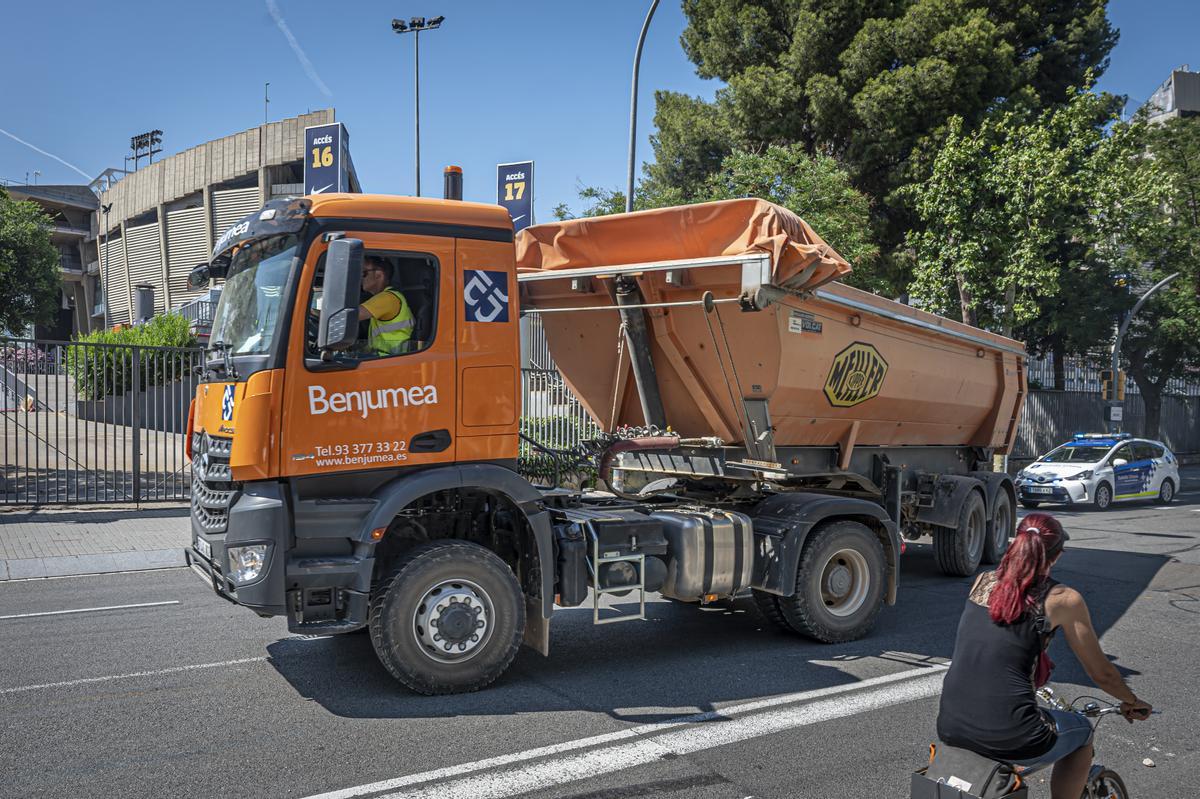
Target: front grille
213	489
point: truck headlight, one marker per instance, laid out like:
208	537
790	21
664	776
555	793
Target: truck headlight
247	563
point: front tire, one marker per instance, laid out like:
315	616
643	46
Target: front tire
1003	526
768	606
839	584
1108	784
448	619
1166	492
960	550
1103	498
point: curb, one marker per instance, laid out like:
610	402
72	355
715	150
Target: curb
75	565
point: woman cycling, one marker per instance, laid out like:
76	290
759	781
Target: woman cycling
988	702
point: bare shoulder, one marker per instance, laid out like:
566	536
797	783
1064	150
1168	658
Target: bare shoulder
1064	599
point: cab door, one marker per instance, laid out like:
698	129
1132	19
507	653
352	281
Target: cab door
375	411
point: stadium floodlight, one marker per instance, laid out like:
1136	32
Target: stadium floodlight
415	26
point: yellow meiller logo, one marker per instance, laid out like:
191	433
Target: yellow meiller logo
856	375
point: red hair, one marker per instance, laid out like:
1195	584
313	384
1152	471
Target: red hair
1025	567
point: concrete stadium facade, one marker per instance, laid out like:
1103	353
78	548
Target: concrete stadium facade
154	225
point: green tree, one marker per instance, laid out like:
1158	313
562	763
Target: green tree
1162	342
1019	219
29	279
871	82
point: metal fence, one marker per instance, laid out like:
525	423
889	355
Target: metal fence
1083	374
1052	417
85	423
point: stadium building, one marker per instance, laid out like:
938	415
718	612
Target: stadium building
157	223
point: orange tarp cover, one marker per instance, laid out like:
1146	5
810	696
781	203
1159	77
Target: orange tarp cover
800	258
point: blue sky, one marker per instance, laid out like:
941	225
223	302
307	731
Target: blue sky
501	81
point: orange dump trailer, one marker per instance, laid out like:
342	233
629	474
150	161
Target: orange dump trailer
819	363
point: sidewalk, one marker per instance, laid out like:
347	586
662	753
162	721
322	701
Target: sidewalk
56	542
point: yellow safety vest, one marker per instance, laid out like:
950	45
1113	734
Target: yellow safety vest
388	338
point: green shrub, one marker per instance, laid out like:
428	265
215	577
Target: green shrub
103	371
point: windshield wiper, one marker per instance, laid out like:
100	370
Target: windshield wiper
223	348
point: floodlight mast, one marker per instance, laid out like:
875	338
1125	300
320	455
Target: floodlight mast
414	26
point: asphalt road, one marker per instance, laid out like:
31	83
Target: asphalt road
197	697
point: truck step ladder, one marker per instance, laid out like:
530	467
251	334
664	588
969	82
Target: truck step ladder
639	561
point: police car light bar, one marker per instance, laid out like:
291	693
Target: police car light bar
1116	436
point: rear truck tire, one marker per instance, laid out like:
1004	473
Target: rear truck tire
448	618
1166	492
1031	503
1103	498
768	606
839	584
959	551
1003	526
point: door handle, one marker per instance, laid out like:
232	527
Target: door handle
430	441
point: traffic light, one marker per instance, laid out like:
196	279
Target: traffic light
1111	389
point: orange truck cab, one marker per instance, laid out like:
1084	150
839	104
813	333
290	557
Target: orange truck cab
357	471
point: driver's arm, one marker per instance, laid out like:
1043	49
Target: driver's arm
383	306
1068	610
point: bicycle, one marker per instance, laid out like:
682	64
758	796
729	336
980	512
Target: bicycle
1102	783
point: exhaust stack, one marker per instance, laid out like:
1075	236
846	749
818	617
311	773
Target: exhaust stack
452	179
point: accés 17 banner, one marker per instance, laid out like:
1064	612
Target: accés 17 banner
514	190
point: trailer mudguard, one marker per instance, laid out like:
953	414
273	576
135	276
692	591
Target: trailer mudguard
392	497
782	523
949	493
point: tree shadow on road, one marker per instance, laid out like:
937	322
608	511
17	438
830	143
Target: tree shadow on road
685	659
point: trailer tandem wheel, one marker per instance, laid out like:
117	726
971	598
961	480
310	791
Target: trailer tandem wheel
960	550
448	619
1003	526
839	583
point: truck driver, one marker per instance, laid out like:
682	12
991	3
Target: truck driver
390	320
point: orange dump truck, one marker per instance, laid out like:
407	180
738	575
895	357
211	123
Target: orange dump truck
769	431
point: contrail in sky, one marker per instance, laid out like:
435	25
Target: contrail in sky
43	152
304	62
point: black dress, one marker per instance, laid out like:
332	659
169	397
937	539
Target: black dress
988	703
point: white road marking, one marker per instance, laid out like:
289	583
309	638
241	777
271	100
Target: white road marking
89	610
155	673
883	691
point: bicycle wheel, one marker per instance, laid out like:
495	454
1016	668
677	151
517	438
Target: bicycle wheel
1106	785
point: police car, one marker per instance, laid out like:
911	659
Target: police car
1100	468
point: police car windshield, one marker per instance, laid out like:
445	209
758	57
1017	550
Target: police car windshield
1075	454
247	315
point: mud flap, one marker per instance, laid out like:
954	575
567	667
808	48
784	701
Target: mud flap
537	628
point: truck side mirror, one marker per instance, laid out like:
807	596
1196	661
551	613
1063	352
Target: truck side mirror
199	276
340	295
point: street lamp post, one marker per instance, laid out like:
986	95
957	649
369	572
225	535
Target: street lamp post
637	62
1114	424
415	26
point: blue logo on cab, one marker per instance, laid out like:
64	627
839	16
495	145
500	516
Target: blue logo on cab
227	404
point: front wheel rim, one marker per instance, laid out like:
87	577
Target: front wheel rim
453	621
845	582
1103	496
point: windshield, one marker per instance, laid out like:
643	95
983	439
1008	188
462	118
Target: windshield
1071	454
248	313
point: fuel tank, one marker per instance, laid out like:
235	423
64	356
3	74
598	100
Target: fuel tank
779	345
